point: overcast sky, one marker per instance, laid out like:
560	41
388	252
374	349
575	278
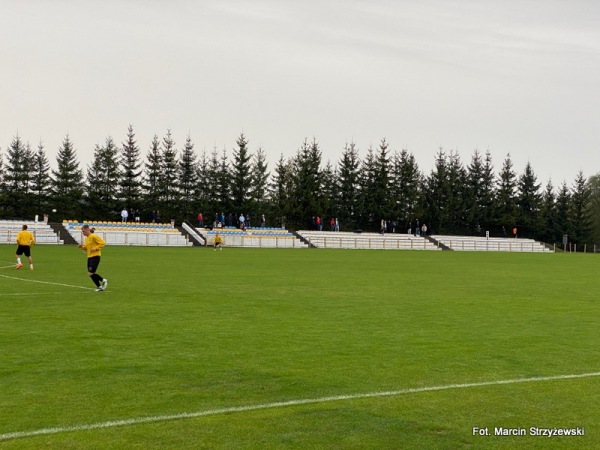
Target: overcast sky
519	77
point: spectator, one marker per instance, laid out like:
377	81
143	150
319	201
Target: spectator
124	215
263	221
200	220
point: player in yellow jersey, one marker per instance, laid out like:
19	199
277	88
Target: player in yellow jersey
92	246
218	242
25	241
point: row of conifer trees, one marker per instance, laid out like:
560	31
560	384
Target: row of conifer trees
178	183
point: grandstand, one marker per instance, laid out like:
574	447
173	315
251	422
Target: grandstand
483	244
349	240
42	232
165	234
120	233
253	237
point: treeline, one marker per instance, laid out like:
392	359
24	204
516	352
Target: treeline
177	183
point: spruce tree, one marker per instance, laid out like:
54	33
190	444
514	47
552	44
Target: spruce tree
407	189
528	204
151	179
212	188
280	192
581	221
456	189
548	232
103	177
223	178
348	187
260	178
168	180
474	193
40	181
306	198
563	224
383	209
16	179
375	187
202	184
487	197
3	198
328	179
130	181
437	197
67	183
368	217
29	205
241	177
506	202
593	184
188	179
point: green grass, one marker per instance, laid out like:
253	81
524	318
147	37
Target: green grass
188	330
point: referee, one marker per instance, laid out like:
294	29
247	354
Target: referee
25	240
92	246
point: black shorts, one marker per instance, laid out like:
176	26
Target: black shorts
24	249
93	263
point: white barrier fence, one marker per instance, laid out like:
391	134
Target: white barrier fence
260	242
139	238
367	241
41	236
371	243
474	244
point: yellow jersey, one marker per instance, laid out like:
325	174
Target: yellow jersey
25	237
92	245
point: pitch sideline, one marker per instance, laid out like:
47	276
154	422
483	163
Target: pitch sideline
212	412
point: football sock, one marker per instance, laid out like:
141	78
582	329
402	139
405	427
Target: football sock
18	260
96	279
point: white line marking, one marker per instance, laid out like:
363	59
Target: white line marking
47	282
212	412
28	294
12	266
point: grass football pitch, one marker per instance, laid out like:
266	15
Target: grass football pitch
273	348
